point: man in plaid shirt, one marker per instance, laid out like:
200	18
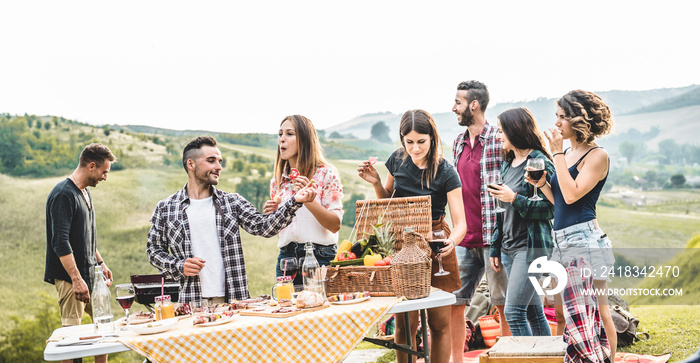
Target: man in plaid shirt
475	154
194	237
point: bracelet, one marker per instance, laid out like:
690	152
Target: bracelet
101	262
559	153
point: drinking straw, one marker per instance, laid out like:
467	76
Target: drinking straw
162	286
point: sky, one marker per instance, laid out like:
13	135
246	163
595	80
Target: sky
241	66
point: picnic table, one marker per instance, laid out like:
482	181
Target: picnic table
327	335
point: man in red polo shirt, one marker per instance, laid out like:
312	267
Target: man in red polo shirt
475	154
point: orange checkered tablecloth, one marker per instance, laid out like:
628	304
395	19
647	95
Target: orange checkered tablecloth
327	335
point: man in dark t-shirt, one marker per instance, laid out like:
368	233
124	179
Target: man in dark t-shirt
71	248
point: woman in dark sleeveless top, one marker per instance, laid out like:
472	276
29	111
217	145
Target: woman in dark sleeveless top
580	173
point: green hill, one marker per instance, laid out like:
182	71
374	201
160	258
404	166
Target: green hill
688	264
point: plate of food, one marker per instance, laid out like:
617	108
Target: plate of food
155	327
212	319
137	318
350	298
351	301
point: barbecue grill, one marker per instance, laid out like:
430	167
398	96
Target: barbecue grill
149	286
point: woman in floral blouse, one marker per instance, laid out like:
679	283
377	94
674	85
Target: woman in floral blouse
299	161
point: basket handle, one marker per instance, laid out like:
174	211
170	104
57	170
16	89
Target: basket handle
335	272
371	278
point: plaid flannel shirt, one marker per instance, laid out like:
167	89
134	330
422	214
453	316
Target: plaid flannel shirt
490	162
536	214
170	231
584	333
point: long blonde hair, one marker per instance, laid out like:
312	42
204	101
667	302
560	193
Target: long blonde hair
309	150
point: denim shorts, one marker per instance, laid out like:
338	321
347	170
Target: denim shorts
588	241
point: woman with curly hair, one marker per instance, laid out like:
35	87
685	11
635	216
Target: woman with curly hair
580	173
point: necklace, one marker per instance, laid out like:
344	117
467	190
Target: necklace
85	193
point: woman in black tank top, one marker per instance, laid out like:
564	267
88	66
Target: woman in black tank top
580	173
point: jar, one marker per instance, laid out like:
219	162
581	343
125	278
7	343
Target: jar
164	307
410	267
284	288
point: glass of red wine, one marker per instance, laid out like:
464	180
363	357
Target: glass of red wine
436	244
535	169
125	297
495	179
290	266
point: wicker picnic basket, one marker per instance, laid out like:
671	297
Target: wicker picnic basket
401	212
345	279
411	268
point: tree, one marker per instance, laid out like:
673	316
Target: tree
38	124
380	132
627	149
669	149
13	144
349	208
47	125
255	190
335	135
678	180
651	177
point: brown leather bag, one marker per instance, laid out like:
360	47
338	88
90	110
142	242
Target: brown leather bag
449	282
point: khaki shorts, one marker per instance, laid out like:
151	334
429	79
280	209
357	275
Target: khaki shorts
71	309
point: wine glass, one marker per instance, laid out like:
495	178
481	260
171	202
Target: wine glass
289	266
125	297
535	169
495	179
436	244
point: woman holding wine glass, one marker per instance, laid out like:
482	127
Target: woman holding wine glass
300	161
580	174
418	169
524	229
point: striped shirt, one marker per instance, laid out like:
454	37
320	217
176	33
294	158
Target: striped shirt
490	162
169	243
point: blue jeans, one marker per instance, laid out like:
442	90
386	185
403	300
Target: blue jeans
473	263
523	309
471	270
324	255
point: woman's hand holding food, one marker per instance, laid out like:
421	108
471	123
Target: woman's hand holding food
367	172
300	182
306	194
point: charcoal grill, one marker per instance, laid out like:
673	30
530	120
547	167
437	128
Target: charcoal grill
148	287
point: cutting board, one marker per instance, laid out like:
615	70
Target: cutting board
268	314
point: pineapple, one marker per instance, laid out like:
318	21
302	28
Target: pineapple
384	238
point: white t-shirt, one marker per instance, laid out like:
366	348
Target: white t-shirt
205	245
